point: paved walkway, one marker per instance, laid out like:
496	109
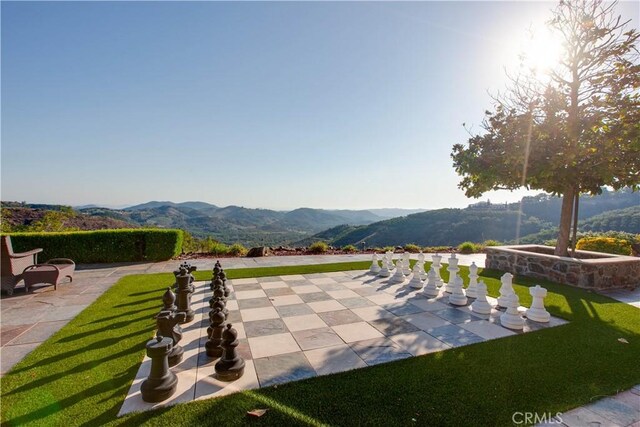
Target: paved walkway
29	319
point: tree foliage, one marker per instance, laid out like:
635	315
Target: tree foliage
571	131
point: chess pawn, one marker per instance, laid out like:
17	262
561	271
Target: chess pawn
472	290
511	318
225	288
420	262
375	268
398	276
457	296
436	265
168	300
506	290
384	270
537	312
216	274
406	263
431	288
230	367
168	324
453	269
415	281
481	305
184	295
389	256
212	346
217	302
161	383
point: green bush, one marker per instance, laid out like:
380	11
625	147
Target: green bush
491	243
609	245
436	249
237	250
122	245
218	248
319	248
468	248
349	249
389	248
410	247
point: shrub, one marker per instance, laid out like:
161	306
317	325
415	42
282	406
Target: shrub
319	248
436	249
389	248
218	248
237	250
609	245
491	243
122	245
414	249
467	248
349	249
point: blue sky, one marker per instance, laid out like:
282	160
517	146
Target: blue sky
273	105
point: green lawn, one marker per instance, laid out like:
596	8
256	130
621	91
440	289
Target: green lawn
81	374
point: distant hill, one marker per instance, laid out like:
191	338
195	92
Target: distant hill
627	220
388	213
62	217
154	204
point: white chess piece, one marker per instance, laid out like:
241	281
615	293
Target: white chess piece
511	318
375	268
415	281
384	271
457	296
436	265
481	305
398	276
453	271
431	287
537	312
472	290
423	273
406	263
506	290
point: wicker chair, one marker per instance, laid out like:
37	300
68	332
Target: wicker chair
12	264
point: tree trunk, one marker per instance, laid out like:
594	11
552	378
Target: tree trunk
566	216
574	238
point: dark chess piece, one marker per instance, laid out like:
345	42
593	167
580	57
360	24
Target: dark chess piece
190	269
223	278
230	367
161	383
168	324
212	346
220	304
169	300
184	295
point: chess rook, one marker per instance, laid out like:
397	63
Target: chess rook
161	383
537	312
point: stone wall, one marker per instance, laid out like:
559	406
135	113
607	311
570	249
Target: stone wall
591	270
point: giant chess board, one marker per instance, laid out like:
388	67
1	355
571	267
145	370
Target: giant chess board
301	326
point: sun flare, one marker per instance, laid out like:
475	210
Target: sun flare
539	49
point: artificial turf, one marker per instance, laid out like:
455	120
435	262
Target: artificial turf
80	376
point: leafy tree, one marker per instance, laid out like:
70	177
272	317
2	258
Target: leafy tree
571	130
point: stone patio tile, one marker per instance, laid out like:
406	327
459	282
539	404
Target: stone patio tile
486	329
306	289
615	410
250	294
455	336
372	313
40	332
347	293
338	358
323	306
262	313
379	350
382	298
274	285
320	280
365	292
272	345
333	287
352	284
425	320
292	277
393	326
630	399
419	342
247	287
353	332
316	338
427	304
339	317
304	322
278	292
269	279
244	281
402	308
63	313
207	386
12	354
455	316
27	315
283	368
261	328
356	302
10	332
314	297
252	303
581	417
285	300
293	310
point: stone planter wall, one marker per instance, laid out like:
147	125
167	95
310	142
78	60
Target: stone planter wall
591	270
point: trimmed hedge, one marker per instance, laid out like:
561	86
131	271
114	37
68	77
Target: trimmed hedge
608	245
122	245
